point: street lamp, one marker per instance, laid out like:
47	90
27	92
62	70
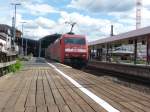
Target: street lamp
40	42
22	37
14	22
26	48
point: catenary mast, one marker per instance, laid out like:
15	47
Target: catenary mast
138	13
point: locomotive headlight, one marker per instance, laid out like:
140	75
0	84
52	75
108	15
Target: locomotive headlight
83	55
67	55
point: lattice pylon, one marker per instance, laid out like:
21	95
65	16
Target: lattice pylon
138	13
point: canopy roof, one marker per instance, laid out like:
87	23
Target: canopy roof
128	35
47	40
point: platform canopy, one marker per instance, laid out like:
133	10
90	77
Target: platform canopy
128	35
47	40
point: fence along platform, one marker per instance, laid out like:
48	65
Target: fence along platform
2	65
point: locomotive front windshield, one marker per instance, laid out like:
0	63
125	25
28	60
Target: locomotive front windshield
80	41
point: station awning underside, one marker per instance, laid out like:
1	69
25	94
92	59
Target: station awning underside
47	40
128	35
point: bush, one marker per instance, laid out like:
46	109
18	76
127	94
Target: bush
15	67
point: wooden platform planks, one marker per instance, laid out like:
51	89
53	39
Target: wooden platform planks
11	96
118	96
49	98
84	102
41	89
30	100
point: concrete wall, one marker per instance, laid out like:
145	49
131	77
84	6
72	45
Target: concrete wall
142	71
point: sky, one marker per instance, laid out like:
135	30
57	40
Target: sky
93	18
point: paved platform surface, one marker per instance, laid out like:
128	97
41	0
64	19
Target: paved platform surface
40	88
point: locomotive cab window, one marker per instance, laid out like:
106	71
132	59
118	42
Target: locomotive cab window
80	41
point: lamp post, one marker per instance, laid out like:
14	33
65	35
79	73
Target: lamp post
26	47
40	41
14	22
22	37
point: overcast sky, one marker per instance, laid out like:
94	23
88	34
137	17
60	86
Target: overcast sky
93	17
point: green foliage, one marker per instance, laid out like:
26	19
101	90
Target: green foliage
15	67
141	61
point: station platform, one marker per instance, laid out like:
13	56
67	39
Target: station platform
52	87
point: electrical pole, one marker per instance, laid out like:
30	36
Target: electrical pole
40	48
112	30
138	13
14	23
22	37
26	46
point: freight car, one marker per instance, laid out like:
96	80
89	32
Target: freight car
69	49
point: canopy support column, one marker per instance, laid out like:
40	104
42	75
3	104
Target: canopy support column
148	50
135	51
107	49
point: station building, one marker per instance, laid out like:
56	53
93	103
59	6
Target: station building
131	47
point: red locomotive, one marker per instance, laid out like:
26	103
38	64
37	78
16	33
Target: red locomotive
69	48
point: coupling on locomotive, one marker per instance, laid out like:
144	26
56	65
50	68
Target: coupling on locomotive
69	48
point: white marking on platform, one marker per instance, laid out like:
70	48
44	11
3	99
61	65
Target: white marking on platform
97	99
65	65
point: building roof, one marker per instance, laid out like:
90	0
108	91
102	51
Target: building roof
2	36
9	30
5	29
127	35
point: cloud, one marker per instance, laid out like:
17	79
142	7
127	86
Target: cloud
26	1
37	33
44	22
146	3
36	28
82	20
39	8
86	25
119	13
5	13
129	18
102	5
96	28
